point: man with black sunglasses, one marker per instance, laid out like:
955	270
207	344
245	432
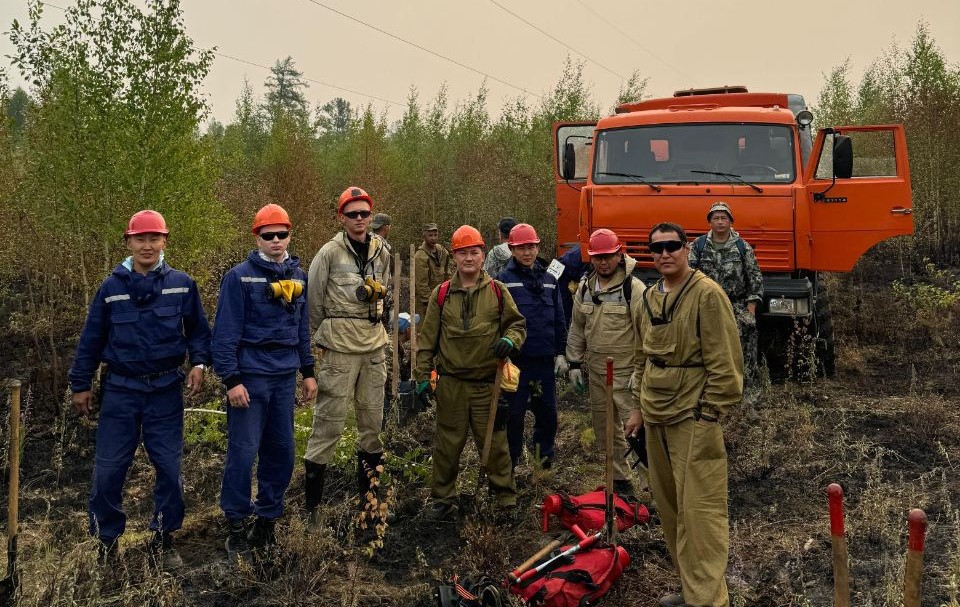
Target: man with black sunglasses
603	325
349	280
689	372
261	338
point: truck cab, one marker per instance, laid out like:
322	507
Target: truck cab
807	204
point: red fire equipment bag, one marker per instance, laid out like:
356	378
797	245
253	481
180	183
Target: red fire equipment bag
588	511
579	583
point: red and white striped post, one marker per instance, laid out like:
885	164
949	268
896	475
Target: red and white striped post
838	539
917	522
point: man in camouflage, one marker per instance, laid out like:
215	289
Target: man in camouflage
730	261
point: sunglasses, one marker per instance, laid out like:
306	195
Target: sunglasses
358	214
670	246
268	236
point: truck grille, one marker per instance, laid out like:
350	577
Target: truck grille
774	250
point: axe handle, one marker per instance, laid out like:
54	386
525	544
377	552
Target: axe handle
492	415
13	513
515	575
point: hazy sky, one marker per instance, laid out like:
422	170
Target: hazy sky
783	47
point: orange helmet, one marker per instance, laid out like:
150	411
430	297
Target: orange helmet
523	233
353	193
146	222
603	242
466	236
271	214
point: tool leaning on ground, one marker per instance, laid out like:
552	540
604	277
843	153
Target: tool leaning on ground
10	585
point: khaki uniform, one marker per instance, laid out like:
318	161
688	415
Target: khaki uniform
458	345
689	372
432	268
603	329
353	368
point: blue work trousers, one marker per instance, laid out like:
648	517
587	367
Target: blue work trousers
126	414
265	429
537	393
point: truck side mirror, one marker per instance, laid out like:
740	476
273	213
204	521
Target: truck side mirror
569	161
842	157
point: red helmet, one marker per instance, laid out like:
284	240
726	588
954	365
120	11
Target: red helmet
353	193
523	233
269	215
466	236
146	222
603	242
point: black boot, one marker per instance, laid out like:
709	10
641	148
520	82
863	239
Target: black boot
623	487
313	486
261	536
236	544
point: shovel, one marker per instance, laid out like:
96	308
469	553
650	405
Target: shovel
10	585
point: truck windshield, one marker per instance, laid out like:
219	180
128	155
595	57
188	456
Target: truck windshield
696	153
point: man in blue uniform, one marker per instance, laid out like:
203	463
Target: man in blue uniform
261	338
542	357
142	322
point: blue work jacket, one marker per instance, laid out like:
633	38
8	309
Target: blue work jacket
538	298
142	325
255	332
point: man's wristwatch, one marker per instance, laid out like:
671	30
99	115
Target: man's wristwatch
200	366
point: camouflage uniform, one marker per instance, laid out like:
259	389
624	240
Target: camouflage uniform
740	278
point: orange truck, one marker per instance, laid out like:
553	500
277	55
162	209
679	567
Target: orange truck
808	202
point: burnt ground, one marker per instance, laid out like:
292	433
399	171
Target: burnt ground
887	428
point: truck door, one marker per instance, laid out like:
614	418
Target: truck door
580	134
848	214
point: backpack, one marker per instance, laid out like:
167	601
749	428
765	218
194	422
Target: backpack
701	243
445	288
579	583
588	511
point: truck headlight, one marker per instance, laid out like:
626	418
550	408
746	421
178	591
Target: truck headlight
786	306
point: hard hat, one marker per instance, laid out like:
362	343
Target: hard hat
405	321
466	236
603	242
353	193
506	224
270	215
146	222
720	206
523	233
379	220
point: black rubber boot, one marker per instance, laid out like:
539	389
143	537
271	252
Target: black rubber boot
262	536
236	544
313	485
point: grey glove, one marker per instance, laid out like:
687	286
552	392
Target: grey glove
560	365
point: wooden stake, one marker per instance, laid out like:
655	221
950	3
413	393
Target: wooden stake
413	303
913	576
395	346
838	539
610	496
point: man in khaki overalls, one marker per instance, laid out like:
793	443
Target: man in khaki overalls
346	288
689	372
478	324
602	326
433	265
